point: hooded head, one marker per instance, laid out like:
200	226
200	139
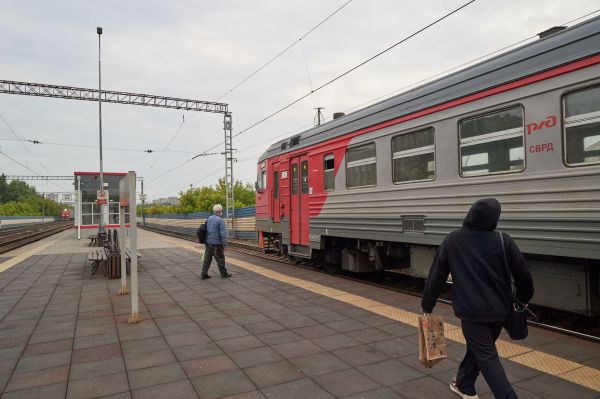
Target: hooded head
484	214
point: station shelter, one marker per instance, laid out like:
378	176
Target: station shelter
87	210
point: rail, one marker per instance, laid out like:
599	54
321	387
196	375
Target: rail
20	236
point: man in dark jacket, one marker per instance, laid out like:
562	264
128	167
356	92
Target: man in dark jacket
481	295
216	240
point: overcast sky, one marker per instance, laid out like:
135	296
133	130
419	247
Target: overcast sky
201	49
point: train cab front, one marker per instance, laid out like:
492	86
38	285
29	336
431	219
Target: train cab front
268	213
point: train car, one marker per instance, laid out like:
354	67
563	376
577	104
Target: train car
381	187
66	214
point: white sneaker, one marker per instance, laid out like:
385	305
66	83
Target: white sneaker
455	389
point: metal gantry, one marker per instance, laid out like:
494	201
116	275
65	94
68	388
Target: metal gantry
108	96
149	100
39	177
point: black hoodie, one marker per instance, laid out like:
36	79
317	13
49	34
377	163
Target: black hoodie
473	254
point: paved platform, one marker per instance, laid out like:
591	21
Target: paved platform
271	331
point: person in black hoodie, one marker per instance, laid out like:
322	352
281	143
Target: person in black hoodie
481	295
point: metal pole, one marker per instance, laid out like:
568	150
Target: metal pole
79	207
143	201
43	207
101	224
124	290
133	250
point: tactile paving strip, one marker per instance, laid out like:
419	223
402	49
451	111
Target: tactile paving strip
20	258
568	370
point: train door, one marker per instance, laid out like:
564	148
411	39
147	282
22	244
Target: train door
299	201
276	215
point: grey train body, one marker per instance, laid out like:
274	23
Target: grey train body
551	209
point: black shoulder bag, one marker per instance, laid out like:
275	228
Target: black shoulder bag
516	325
201	233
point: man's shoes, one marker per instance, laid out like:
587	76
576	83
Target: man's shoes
454	388
204	276
226	275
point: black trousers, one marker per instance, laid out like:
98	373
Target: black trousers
218	252
482	356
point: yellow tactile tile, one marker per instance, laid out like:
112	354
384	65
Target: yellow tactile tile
586	376
455	335
544	362
508	349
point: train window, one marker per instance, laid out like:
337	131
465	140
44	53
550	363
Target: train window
492	143
304	177
582	127
295	178
329	172
361	166
414	156
276	185
263	180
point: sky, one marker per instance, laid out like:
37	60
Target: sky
202	49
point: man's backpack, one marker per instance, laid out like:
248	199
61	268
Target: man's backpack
201	233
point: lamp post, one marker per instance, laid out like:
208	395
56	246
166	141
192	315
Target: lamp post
101	223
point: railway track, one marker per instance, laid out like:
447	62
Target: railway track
21	236
389	280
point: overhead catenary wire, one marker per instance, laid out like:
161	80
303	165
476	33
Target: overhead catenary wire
263	66
324	84
210	174
284	50
18	136
354	68
464	64
149	151
379	97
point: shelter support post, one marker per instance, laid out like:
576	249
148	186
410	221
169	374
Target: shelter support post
124	290
135	313
79	207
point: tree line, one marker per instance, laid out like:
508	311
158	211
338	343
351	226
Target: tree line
202	199
18	198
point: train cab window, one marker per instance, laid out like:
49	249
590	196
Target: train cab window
414	156
263	180
304	177
492	143
329	172
582	127
276	185
295	178
361	166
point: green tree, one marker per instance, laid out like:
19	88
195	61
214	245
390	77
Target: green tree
17	198
202	199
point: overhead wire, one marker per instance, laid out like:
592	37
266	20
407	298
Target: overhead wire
324	84
401	89
447	71
284	50
263	66
18	136
354	68
149	151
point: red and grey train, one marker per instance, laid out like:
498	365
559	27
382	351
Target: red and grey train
381	187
